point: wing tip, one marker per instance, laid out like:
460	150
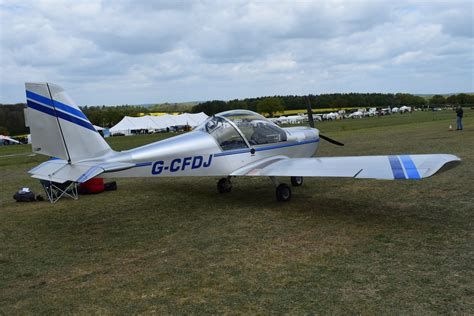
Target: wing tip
448	162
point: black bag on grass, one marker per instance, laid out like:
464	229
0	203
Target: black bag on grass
22	196
110	186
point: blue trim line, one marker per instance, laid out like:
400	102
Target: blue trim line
247	150
143	164
232	152
41	108
396	167
76	121
70	110
64	116
39	98
287	145
410	168
61	106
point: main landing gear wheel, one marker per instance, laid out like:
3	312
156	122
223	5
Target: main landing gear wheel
296	181
283	193
224	185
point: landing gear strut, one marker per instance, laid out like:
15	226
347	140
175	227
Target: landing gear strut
224	185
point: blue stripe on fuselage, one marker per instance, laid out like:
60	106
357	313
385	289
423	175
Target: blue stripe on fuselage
143	164
247	150
232	152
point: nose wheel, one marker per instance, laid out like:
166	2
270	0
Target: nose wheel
224	185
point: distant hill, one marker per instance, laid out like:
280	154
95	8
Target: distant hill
427	96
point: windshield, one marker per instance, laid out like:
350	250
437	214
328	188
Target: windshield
256	128
223	132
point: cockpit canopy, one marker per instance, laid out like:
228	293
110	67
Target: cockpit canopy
242	128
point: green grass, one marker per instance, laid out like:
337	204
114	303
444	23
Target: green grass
177	246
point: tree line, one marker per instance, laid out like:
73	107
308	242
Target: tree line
12	121
108	116
336	100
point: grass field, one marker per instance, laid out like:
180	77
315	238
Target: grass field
177	246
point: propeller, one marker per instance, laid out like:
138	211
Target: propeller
311	123
332	141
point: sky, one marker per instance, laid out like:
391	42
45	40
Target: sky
138	52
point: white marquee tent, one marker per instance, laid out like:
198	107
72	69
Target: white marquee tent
156	123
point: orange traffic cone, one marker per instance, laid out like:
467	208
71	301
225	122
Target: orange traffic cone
450	127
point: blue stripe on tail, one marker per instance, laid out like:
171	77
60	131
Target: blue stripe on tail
40	107
61	106
64	116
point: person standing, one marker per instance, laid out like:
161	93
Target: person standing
459	114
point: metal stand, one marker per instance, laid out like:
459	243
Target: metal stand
55	190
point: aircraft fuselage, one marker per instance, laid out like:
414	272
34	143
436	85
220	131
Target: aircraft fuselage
198	154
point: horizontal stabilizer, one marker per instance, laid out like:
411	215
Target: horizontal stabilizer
360	167
60	171
104	167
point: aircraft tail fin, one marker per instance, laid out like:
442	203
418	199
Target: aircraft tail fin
58	127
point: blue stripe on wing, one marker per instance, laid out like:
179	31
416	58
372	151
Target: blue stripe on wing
397	168
410	168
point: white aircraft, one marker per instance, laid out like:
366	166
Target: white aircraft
405	108
5	140
356	114
229	144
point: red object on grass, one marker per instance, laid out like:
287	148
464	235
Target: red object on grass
94	185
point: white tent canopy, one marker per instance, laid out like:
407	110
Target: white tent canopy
198	118
163	121
129	124
124	126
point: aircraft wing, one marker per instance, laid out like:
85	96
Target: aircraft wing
59	170
360	167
